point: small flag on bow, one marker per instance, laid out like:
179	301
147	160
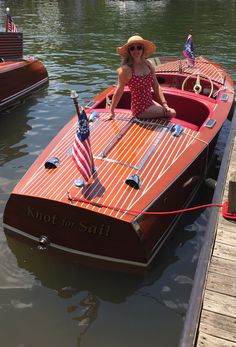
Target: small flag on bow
81	151
188	50
10	25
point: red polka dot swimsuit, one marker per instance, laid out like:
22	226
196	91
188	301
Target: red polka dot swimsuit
141	92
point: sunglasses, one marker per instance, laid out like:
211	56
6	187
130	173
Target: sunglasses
139	48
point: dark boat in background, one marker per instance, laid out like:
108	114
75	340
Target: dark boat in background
19	75
145	170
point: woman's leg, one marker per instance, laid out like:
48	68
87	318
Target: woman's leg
157	111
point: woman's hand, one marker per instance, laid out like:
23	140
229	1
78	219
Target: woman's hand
124	74
111	116
166	110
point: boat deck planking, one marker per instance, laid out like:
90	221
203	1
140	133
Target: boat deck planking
134	149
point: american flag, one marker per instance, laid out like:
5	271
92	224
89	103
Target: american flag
10	25
81	151
188	50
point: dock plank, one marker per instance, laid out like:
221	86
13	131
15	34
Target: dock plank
227	224
224	251
220	303
221	283
212	341
218	325
223	266
227	234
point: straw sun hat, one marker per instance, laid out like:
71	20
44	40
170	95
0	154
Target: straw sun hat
149	47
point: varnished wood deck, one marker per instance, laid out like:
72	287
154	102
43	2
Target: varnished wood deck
131	152
211	316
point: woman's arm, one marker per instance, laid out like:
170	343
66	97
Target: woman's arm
124	74
159	95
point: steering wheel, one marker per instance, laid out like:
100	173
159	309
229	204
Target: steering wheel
197	88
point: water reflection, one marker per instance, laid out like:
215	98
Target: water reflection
13	127
88	310
57	272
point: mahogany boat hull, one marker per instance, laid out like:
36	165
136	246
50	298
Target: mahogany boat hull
19	79
108	223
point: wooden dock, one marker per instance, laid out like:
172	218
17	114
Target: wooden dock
218	316
211	316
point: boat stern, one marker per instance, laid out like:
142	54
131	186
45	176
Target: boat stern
94	238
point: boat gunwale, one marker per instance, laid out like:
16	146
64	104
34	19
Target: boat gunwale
21	64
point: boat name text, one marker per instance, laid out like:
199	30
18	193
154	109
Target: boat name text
82	226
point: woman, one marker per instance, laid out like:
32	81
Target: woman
139	75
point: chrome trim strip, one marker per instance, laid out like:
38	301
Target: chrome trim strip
117	137
116	161
96	123
102	156
26	90
124	119
151	149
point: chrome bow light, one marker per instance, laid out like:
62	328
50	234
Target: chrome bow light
52	163
134	181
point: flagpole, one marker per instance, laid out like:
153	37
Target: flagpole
81	151
79	182
10	25
74	97
7	12
180	66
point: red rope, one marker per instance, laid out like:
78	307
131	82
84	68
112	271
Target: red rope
140	212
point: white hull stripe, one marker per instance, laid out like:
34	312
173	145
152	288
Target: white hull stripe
26	90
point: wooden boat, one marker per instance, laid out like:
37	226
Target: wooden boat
19	76
145	169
